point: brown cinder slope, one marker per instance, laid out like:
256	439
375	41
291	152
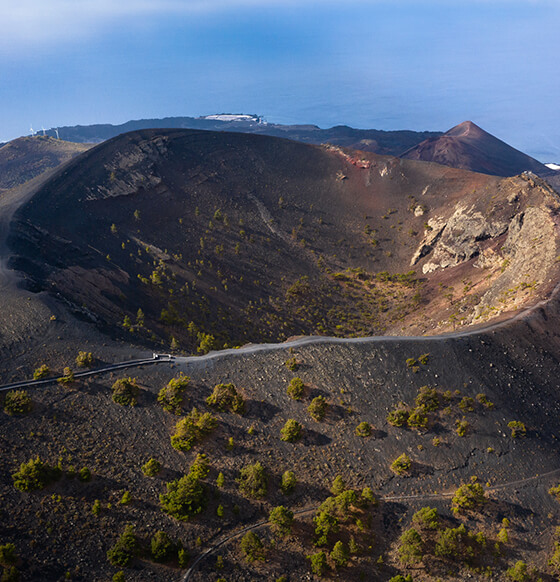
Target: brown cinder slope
26	157
219	239
469	147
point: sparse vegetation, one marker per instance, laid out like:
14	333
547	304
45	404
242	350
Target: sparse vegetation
125	548
318	408
17	402
253	480
401	465
171	396
363	429
296	388
41	372
517	428
151	468
35	474
292	431
226	397
84	360
191	429
125	391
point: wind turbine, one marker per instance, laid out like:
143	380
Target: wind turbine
43	130
31	130
57	136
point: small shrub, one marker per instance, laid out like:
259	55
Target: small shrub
517	428
17	402
318	563
401	578
427	399
84	360
253	480
399	416
423	359
340	554
10	574
518	572
292	431
84	475
252	547
318	408
125	391
401	465
41	372
35	474
466	404
292	364
462	427
469	496
162	547
296	389
426	518
118	577
418	419
125	548
281	520
67	377
191	429
185	498
411	548
8	556
96	507
363	429
338	485
220	480
171	396
126	498
226	397
151	468
288	483
484	401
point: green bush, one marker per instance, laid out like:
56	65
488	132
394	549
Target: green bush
428	399
418	419
340	554
171	396
288	483
518	572
118	577
466	404
318	563
253	480
411	548
363	429
296	389
468	497
226	397
8	556
35	474
318	408
292	431
281	520
163	549
517	428
151	468
482	398
125	548
399	416
10	574
191	429
17	402
67	377
84	475
426	518
84	360
338	485
401	465
462	427
125	391
452	542
252	547
401	578
292	364
126	498
326	523
185	498
41	372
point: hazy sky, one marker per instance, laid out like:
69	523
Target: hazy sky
383	64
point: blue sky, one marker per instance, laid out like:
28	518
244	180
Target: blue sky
394	64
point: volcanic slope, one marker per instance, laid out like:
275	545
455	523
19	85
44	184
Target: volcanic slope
469	147
207	239
27	157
